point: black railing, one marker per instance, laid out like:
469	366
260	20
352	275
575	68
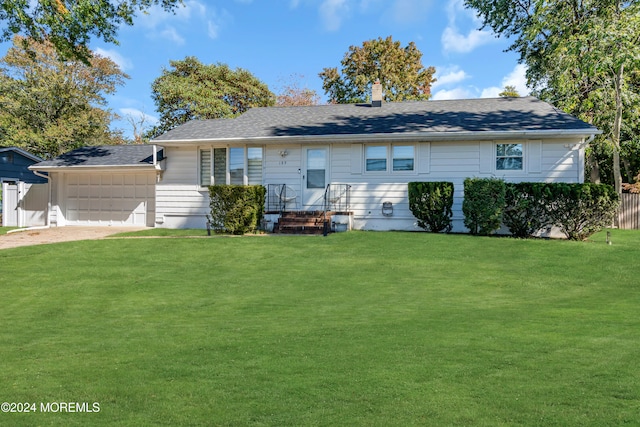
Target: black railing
280	197
336	199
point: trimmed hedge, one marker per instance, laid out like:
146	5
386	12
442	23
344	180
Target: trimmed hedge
236	209
578	210
483	204
430	203
526	209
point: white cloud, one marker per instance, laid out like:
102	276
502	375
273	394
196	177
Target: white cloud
332	12
516	78
121	61
409	11
449	75
171	34
169	26
455	93
453	40
138	115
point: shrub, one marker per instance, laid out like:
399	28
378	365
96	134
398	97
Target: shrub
580	210
526	208
236	209
430	203
483	204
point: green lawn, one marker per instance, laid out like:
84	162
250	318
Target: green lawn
3	230
355	329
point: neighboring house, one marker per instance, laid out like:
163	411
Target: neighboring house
14	166
373	151
17	201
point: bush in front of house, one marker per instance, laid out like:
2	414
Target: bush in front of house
579	210
431	203
483	204
526	210
236	209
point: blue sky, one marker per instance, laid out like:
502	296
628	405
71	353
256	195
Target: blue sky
278	39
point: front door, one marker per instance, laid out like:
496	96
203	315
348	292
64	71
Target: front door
315	177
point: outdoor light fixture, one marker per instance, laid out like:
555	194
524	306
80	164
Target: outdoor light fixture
284	153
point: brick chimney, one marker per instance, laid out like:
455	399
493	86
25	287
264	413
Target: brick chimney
376	94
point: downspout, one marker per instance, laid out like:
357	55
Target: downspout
48	178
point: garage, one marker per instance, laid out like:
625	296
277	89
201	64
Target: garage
120	199
104	185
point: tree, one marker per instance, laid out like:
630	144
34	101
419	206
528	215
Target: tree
49	106
399	69
509	92
581	56
191	90
292	95
69	24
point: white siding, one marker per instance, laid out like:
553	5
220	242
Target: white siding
181	202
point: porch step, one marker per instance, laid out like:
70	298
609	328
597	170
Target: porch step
301	222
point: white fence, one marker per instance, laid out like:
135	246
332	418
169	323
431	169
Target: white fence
629	218
24	205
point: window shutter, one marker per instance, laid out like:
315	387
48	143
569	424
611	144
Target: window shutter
356	159
487	156
424	157
533	153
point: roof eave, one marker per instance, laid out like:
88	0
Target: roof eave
390	137
80	168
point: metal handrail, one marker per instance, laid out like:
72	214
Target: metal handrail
335	195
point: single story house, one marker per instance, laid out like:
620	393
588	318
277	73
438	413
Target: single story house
359	157
18	188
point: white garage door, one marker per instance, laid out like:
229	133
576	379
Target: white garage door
110	199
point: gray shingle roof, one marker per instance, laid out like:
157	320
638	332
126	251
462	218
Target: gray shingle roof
103	155
525	114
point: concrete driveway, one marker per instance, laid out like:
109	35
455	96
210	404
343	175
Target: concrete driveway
43	236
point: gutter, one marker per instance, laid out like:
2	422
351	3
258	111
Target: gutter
391	137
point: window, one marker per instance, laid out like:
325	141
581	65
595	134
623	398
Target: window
221	166
509	157
403	158
316	167
376	158
254	165
205	167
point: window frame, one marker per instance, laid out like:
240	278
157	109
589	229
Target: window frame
389	159
496	156
227	168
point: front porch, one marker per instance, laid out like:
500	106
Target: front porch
286	214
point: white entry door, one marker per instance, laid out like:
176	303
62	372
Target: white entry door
315	177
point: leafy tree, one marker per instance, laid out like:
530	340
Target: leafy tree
582	56
69	24
399	70
292	95
509	92
49	106
191	90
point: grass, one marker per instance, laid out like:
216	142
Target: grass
4	230
359	328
